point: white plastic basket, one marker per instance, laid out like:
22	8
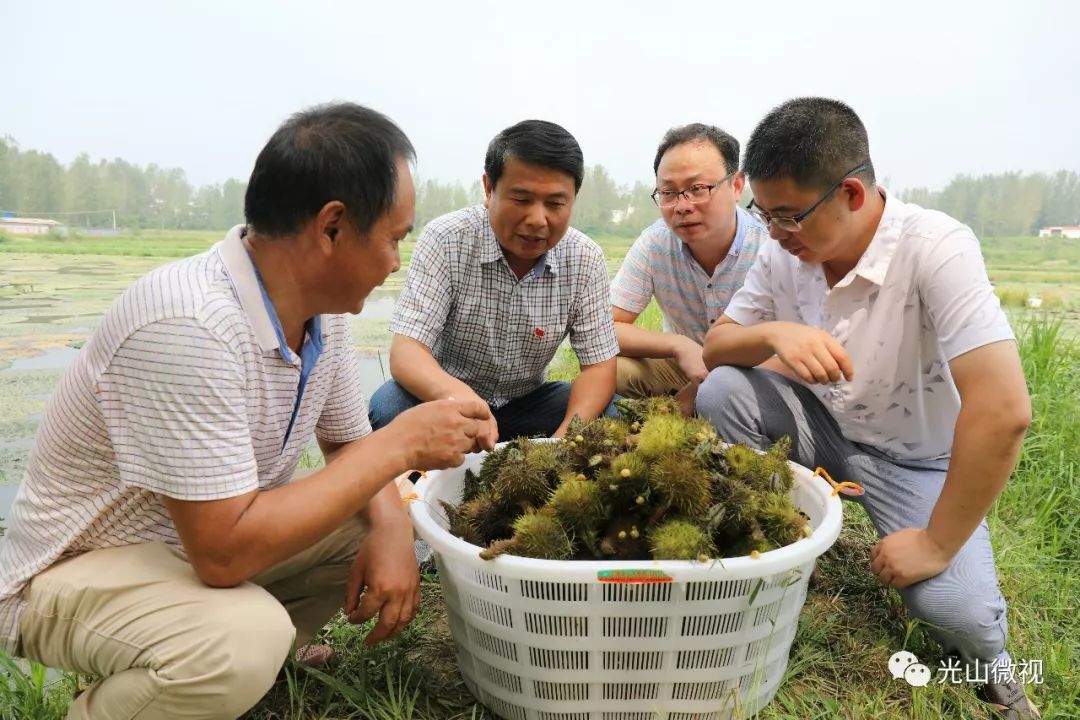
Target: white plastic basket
559	640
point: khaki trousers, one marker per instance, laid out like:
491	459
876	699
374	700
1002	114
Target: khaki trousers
164	644
647	377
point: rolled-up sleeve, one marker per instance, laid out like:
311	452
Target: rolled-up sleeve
592	329
632	288
965	312
753	303
424	303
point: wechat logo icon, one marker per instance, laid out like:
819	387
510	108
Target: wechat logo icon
905	665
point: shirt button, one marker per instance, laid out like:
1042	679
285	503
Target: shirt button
709	285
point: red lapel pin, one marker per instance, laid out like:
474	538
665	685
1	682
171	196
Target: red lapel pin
539	332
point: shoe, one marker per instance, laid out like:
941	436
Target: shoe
316	656
422	551
1010	700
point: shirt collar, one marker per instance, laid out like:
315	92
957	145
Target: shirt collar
491	251
241	272
875	261
743	222
257	304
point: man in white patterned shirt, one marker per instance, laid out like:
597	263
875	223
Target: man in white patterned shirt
493	290
159	539
886	334
692	260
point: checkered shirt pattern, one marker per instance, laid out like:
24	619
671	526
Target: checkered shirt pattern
660	265
490	330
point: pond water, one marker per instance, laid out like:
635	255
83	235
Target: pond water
374	368
7	496
52	359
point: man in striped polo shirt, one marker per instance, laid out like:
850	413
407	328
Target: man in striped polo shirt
159	539
494	289
692	261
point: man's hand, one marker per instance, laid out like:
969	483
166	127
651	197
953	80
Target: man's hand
906	557
813	355
489	430
687	398
437	434
385	572
688	356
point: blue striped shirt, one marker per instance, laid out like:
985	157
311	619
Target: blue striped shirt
660	265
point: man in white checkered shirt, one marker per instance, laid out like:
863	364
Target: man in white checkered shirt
159	539
692	260
493	290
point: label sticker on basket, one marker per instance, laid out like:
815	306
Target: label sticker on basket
634	576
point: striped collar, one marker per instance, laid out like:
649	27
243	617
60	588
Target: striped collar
241	272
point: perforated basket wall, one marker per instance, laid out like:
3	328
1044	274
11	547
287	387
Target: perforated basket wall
547	640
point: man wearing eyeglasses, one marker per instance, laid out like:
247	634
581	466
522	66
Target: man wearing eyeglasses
692	261
889	334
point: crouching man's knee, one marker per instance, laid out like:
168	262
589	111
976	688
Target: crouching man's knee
727	398
968	623
238	658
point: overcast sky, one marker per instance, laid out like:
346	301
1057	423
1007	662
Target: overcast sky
944	87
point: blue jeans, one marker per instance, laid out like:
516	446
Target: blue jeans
538	413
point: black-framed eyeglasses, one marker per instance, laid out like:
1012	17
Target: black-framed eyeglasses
794	223
695	194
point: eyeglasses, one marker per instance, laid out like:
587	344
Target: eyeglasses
794	224
695	194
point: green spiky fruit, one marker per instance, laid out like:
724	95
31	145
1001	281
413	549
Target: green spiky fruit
638	410
492	462
520	485
779	475
577	506
739	502
626	480
605	436
539	535
458	524
682	484
631	466
487	520
662	435
780	521
679	540
542	457
470	486
744	463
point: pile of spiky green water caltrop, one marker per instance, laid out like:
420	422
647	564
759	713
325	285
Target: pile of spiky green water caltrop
654	485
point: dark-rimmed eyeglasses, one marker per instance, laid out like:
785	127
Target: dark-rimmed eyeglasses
794	223
695	194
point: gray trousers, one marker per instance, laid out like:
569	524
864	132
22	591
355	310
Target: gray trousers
962	606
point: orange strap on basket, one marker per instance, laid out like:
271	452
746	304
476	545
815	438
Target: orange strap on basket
846	487
405	486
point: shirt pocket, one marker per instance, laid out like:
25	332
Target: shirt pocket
542	330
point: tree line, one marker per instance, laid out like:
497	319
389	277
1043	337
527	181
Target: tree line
87	194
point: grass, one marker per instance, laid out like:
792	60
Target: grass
148	243
849	626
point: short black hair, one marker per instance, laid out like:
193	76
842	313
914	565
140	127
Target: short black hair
699	132
537	142
336	151
812	140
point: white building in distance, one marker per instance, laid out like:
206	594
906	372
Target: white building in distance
1065	231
